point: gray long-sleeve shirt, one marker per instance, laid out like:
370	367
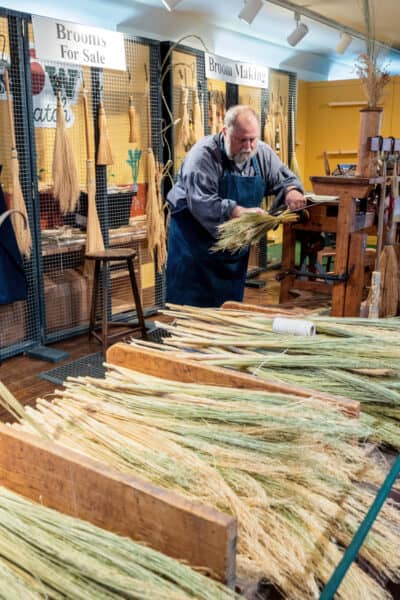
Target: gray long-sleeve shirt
197	186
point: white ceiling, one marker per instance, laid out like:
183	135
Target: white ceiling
263	42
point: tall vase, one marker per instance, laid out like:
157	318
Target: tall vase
370	126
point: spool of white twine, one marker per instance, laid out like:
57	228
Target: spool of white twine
293	326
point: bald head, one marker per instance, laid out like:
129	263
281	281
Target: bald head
241	132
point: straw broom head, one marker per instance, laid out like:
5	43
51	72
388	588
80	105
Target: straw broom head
104	155
65	172
94	237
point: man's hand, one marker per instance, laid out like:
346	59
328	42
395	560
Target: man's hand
240	210
295	200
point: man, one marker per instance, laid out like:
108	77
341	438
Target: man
222	177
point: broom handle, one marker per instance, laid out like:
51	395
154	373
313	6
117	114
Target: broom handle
10	110
86	118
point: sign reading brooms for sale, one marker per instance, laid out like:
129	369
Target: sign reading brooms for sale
75	44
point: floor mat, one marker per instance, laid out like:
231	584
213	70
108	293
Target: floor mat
91	364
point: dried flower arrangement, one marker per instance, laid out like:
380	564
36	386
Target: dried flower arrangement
373	77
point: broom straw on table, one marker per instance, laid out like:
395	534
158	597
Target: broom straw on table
20	226
66	186
104	154
94	236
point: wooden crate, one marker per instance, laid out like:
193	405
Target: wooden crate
81	487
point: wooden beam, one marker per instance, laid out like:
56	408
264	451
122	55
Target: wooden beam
161	364
79	486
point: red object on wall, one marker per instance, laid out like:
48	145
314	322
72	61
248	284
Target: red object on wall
38	74
139	201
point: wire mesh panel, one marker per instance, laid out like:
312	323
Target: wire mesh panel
184	102
111	121
19	302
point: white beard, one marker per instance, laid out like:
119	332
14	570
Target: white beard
241	157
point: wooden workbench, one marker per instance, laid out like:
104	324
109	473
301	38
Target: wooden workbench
350	228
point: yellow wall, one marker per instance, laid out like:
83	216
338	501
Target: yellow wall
321	127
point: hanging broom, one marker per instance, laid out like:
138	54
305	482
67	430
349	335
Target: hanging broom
294	165
268	133
283	131
94	237
104	155
213	106
154	213
198	128
20	226
65	172
184	126
132	121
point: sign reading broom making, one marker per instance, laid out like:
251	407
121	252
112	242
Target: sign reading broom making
234	71
75	44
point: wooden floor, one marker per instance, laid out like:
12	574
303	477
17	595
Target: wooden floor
20	374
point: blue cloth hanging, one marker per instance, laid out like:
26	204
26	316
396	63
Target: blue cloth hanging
13	284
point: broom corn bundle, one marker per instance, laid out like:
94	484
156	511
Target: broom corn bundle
20	225
355	358
248	228
66	187
104	154
288	470
46	554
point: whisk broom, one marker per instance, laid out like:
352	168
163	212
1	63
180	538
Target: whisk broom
94	236
65	172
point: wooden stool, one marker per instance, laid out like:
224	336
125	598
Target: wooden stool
102	260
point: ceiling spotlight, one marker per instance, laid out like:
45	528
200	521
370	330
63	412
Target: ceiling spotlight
344	42
170	4
250	10
297	34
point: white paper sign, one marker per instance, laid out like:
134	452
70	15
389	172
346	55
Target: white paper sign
75	44
233	71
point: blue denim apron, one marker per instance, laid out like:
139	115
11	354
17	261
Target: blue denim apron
196	276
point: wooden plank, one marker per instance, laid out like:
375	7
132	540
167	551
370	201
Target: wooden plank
79	486
272	311
160	364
